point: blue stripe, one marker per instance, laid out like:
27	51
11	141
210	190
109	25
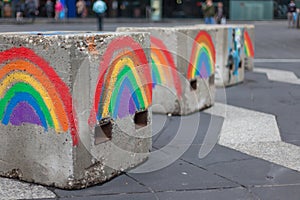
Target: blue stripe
24	97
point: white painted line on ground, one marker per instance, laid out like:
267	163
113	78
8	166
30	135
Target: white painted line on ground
261	60
13	189
279	75
256	134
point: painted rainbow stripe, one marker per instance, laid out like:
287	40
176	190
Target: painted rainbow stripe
32	92
248	47
124	85
203	57
163	67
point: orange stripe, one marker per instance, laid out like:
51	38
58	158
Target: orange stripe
163	63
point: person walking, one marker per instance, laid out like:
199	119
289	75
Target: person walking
20	7
58	9
220	15
49	8
81	8
31	9
99	8
209	12
292	14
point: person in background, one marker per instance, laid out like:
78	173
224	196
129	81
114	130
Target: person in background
209	12
31	9
58	8
19	11
49	8
99	8
291	13
220	16
81	8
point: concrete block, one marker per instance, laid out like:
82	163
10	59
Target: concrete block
75	108
229	44
230	55
183	67
249	48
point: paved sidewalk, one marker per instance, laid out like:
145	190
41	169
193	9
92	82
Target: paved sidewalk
261	162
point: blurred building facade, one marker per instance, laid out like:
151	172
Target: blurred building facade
159	9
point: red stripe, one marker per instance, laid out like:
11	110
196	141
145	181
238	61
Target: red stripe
249	42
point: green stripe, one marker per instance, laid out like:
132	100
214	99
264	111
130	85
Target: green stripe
246	51
23	87
126	71
156	72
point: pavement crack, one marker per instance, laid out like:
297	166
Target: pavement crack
142	184
214	173
228	161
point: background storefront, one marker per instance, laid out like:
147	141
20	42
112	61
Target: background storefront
159	9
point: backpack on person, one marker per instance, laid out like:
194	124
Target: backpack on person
99	7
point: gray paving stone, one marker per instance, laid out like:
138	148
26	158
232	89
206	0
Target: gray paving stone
167	134
290	192
181	176
232	194
256	172
120	184
183	127
218	155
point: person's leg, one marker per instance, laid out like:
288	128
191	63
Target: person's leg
289	15
99	22
206	20
294	18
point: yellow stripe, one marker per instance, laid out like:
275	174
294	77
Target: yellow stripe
159	68
247	48
21	77
121	63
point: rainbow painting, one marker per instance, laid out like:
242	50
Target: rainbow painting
164	71
203	57
124	85
31	92
248	46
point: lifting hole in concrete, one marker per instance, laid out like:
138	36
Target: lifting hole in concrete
141	119
193	84
103	131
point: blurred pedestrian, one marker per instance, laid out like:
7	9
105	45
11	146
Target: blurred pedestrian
20	11
49	8
31	10
81	8
99	8
209	12
292	14
58	9
220	15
